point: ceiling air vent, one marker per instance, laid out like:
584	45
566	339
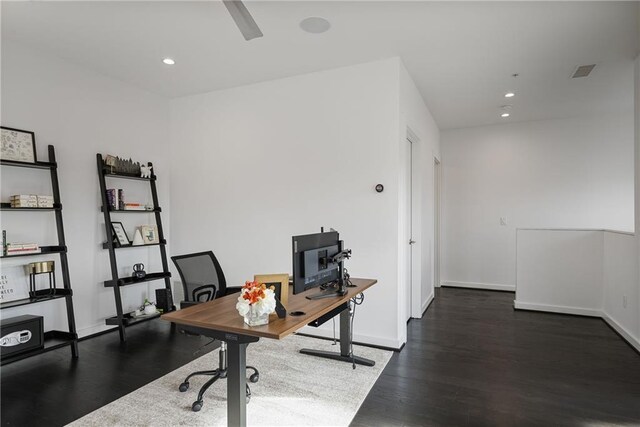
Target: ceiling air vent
583	71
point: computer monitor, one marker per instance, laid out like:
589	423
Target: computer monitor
312	260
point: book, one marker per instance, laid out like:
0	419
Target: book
4	242
120	198
111	198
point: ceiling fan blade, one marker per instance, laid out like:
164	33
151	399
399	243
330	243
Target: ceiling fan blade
243	19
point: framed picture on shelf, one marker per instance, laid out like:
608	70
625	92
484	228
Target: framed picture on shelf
18	145
279	281
14	283
119	234
149	234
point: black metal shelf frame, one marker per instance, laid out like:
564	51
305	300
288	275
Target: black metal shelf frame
122	319
53	339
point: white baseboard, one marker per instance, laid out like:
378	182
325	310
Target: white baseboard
358	338
476	285
635	342
557	309
425	305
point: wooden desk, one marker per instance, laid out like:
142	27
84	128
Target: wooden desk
219	319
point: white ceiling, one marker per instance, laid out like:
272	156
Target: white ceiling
461	54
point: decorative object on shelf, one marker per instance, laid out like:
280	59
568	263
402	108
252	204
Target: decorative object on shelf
145	171
279	283
13	284
148	307
138	271
149	234
18	145
42	267
255	303
119	234
137	238
117	165
110	163
164	300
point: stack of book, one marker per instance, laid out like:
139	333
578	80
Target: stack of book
21	249
31	201
134	207
115	199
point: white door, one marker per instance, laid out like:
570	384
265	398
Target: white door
408	226
437	174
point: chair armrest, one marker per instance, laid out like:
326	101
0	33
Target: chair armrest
185	304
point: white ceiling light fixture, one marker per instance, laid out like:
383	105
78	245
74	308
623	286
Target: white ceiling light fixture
505	115
509	95
315	25
168	61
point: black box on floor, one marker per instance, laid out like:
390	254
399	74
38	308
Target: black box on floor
164	300
20	334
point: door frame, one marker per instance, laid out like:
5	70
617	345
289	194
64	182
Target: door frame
437	220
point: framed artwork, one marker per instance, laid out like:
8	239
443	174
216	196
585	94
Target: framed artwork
18	145
119	234
149	234
279	281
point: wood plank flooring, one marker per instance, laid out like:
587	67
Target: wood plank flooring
471	361
474	361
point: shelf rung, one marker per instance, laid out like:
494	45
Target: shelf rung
126	281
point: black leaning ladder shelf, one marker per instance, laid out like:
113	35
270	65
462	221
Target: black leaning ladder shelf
121	319
52	339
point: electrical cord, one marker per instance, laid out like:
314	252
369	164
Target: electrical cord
357	300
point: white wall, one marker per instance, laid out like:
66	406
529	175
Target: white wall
415	115
570	173
560	270
620	285
286	157
81	113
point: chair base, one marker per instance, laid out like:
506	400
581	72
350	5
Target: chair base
216	374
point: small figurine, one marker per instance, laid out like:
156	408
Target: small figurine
145	171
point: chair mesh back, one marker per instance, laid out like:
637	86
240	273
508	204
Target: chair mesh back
200	279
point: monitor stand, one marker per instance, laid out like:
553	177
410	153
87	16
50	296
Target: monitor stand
336	291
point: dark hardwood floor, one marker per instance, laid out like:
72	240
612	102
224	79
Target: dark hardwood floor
472	360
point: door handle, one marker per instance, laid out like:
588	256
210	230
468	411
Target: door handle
411	242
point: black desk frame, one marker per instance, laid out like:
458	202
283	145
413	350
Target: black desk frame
237	363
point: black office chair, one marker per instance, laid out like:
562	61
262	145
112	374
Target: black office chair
202	281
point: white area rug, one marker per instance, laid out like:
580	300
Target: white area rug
294	390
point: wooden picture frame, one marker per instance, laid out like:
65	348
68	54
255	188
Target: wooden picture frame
149	234
279	281
120	234
17	145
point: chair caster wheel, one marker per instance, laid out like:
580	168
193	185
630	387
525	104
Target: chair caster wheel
184	386
254	378
197	405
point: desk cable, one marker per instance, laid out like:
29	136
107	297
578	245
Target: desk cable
357	300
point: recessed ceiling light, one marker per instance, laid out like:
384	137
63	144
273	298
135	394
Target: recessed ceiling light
505	115
509	95
315	25
168	61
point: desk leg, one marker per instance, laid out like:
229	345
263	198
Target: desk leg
345	345
236	384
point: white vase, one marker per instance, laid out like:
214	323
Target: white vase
137	238
252	318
